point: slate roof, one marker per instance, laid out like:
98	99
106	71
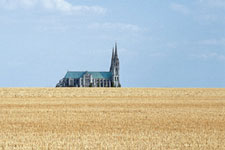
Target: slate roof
95	75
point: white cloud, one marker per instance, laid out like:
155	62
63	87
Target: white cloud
213	55
53	5
57	27
215	42
214	3
157	54
116	26
210	11
209	17
208	56
180	8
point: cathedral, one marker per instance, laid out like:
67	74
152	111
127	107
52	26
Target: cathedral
94	79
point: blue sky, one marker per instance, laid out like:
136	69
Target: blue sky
167	43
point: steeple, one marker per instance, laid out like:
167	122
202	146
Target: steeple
116	55
112	60
115	68
113	54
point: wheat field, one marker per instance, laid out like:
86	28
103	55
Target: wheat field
112	118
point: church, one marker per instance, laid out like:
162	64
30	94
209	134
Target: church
109	78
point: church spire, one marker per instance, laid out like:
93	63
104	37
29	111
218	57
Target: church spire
113	52
116	55
112	60
116	69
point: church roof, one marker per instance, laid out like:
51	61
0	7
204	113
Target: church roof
95	75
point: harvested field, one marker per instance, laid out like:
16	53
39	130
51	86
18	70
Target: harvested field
109	118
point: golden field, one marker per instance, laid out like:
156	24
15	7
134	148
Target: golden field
110	118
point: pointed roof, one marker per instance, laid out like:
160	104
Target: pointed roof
112	60
113	54
116	55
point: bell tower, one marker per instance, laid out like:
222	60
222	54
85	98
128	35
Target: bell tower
115	68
